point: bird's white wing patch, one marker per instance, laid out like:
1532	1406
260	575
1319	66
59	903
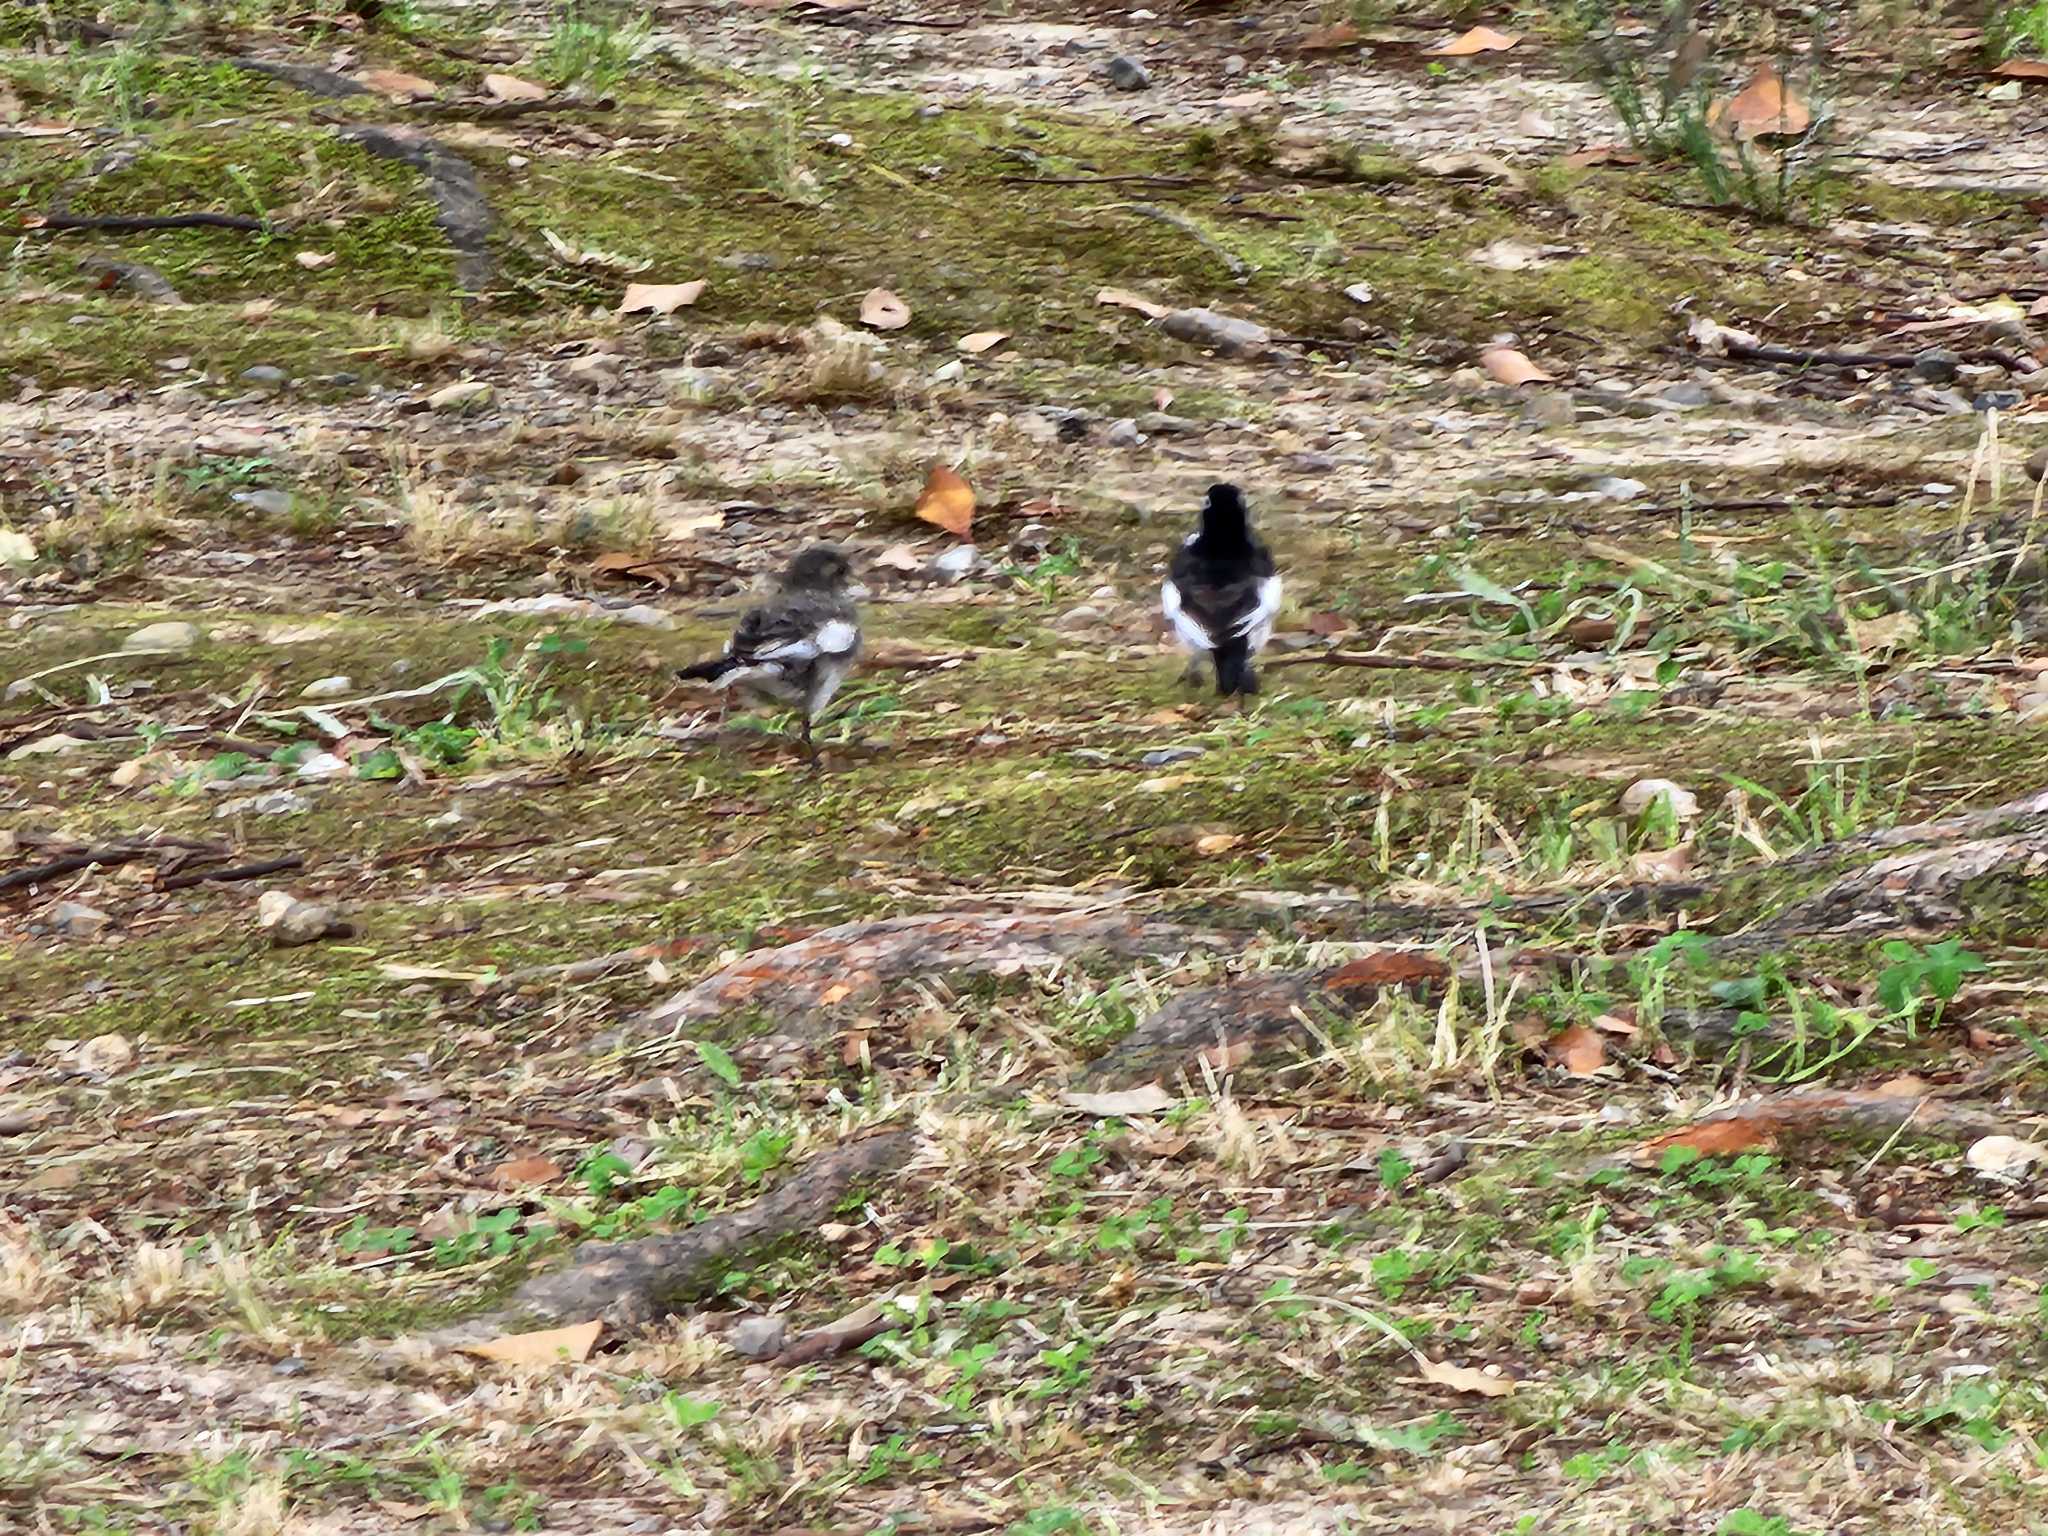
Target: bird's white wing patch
788	650
1257	626
1184	623
837	637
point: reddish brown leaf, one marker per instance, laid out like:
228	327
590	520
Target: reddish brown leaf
1716	1138
1763	108
1331	39
1579	1050
1387	968
2023	69
1478	40
525	1170
397	83
947	501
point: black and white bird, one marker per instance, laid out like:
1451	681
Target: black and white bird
1222	593
798	646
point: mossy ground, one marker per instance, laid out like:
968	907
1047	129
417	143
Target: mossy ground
1173	1316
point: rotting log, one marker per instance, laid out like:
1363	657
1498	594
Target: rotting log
632	1284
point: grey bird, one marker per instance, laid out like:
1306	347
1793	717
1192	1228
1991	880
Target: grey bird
798	646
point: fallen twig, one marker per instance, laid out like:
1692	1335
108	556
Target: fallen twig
595	965
1191	229
1423	663
56	223
122	853
254	871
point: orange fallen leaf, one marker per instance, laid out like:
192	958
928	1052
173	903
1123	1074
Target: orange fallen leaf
1463	1378
884	311
1579	1050
1504	365
1387	968
1762	108
1123	298
2023	69
1478	40
1217	842
838	992
979	342
397	83
512	88
525	1170
660	298
1716	1138
947	501
1330	39
546	1347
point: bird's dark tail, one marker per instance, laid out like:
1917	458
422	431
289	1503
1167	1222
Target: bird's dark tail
1234	672
706	671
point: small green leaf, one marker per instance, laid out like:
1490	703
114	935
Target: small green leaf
719	1062
380	764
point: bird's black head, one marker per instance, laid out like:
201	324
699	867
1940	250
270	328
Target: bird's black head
1224	517
821	568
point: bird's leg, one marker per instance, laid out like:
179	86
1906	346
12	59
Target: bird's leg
810	748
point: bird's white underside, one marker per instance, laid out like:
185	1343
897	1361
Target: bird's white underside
1256	626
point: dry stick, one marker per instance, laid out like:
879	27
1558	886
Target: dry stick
56	223
595	965
1401	663
237	872
70	863
1188	227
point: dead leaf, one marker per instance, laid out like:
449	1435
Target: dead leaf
1886	633
947	501
546	1347
313	261
398	84
1478	40
1217	842
1578	1049
1123	298
629	567
1148	1100
882	310
512	88
259	309
1616	1024
2023	69
838	992
525	1170
660	298
1716	1138
1225	1055
983	341
1327	624
1504	365
1331	39
1472	162
1764	108
1463	1378
1387	968
1655	866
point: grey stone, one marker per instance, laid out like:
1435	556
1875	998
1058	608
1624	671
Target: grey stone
470	394
1127	74
264	376
1228	334
171	635
759	1338
1159	424
1549	408
1083	617
955	562
1166	756
1125	434
269	503
75	920
1937	365
1032	540
278	802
